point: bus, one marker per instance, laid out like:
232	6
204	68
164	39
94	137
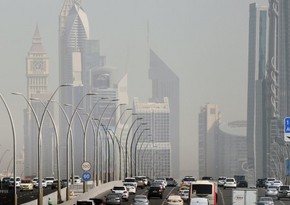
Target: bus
204	189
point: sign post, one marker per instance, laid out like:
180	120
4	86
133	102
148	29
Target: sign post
287	129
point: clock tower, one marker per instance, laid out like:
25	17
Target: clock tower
37	87
36	67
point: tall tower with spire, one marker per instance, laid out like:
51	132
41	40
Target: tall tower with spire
37	71
73	35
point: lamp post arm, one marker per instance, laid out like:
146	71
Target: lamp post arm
14	146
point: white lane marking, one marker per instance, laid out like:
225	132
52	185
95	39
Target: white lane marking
164	201
222	196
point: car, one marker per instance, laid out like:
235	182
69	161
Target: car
260	182
243	183
207	178
17	180
155	190
184	194
85	202
131	179
269	182
44	184
266	200
54	184
64	182
140	200
283	192
121	190
171	182
188	180
174	200
271	191
230	183
5	182
113	198
140	182
77	179
26	184
130	187
49	180
161	179
221	181
161	182
277	183
145	179
98	201
199	201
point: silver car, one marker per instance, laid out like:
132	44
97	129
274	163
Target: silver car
140	200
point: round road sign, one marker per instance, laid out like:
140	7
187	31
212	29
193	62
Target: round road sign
86	166
86	176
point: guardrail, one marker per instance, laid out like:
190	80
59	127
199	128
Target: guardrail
78	196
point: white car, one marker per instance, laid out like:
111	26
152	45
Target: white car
160	181
184	193
131	179
230	183
271	191
130	187
140	200
26	184
121	190
221	181
17	180
77	179
49	180
174	200
188	180
44	183
269	182
277	183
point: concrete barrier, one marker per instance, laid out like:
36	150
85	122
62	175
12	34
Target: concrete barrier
91	193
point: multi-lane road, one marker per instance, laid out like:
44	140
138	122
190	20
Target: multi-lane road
224	197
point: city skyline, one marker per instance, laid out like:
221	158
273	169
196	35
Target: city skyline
192	43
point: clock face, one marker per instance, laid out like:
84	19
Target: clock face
37	65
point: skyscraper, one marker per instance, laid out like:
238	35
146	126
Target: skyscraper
155	155
73	35
165	83
258	19
208	122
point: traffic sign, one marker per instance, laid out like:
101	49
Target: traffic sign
86	176
287	129
86	166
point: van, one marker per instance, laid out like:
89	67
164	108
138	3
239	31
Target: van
199	201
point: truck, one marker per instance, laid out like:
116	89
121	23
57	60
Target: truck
244	196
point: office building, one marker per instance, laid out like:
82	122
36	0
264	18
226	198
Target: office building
208	122
154	148
257	56
165	83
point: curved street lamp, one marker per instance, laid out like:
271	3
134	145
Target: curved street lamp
131	146
40	188
126	145
67	142
57	150
14	146
139	137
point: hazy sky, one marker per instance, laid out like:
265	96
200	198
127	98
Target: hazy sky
204	42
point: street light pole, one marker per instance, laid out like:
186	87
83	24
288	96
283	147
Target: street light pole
40	189
14	146
131	147
57	152
136	148
67	142
126	145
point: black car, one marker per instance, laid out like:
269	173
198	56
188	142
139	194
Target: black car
171	182
155	191
5	182
242	183
54	184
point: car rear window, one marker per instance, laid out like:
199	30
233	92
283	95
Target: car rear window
119	188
